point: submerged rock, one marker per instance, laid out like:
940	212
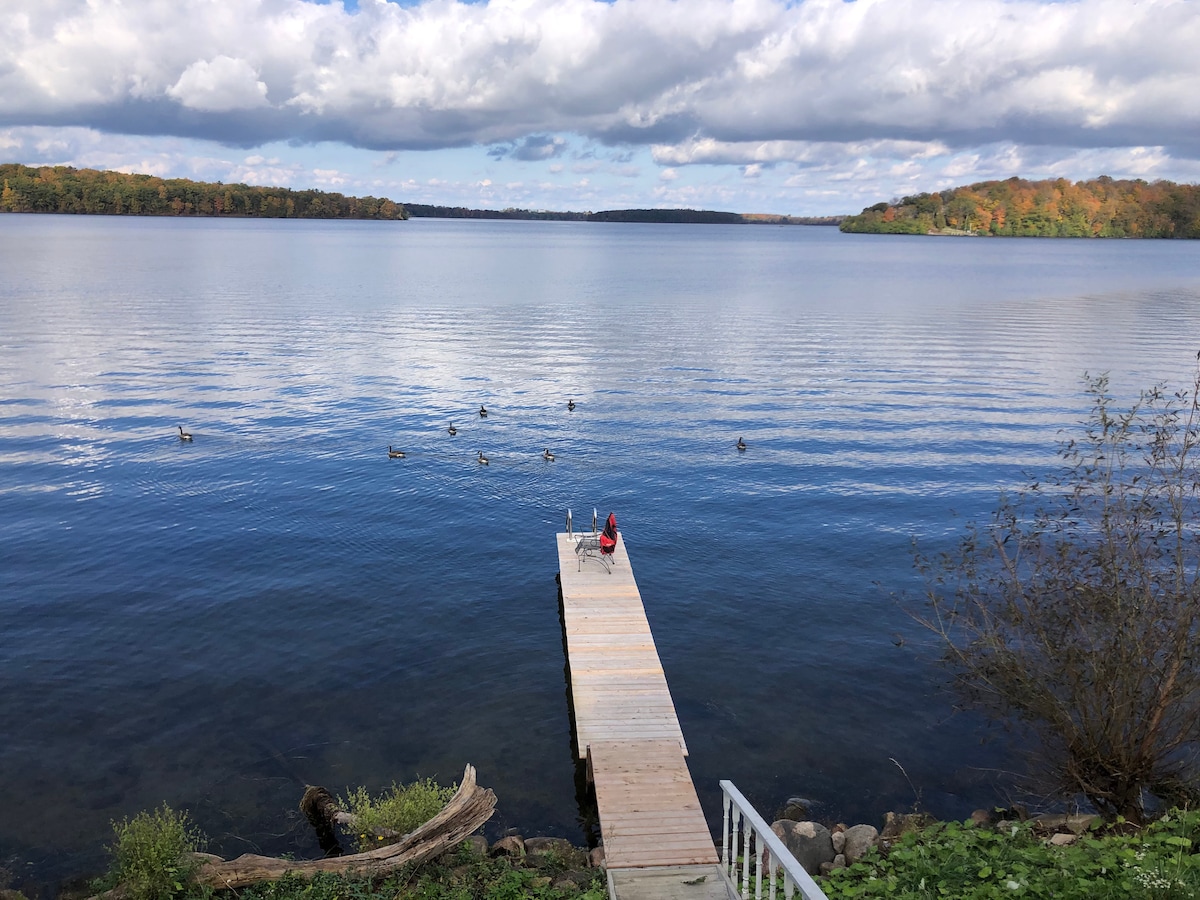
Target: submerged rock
512	846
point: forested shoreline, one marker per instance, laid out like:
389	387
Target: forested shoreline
1101	207
63	189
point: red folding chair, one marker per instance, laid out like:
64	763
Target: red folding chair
608	537
600	546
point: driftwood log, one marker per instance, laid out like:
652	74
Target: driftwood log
468	809
324	815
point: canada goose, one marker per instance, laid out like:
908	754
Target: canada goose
395	454
183	435
482	411
483	460
547	455
571	405
451	430
741	445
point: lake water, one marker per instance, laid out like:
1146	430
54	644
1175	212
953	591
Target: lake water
212	624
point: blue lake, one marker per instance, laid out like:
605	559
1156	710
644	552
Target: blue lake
212	624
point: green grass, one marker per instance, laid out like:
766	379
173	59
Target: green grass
401	809
151	854
961	861
463	875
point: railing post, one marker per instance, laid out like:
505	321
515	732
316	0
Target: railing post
733	845
758	867
759	842
727	803
746	829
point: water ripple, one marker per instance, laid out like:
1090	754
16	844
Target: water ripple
176	613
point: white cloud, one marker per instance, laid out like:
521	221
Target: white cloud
221	84
439	73
762	104
330	177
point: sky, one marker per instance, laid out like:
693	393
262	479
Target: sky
797	107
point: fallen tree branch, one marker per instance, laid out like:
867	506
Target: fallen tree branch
467	810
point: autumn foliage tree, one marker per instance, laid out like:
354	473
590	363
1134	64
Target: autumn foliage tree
1102	207
1074	613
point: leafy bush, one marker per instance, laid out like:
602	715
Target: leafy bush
151	853
962	861
1075	612
402	809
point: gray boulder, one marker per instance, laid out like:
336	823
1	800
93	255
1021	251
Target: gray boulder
859	839
511	846
539	850
798	809
1078	824
810	842
478	844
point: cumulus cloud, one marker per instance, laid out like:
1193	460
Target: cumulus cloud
535	148
748	81
539	147
222	84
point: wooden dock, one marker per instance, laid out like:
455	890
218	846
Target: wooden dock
656	840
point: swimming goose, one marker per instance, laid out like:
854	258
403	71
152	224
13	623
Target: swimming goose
183	435
483	460
547	455
571	405
482	411
741	445
395	454
452	430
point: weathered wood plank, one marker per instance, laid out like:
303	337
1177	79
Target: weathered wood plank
669	883
649	811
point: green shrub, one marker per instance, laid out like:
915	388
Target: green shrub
402	809
151	853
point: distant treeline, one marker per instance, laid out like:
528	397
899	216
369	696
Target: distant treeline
425	211
1102	207
672	216
61	189
771	219
419	210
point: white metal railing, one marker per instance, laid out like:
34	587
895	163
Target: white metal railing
760	849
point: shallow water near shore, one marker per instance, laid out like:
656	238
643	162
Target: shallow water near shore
215	623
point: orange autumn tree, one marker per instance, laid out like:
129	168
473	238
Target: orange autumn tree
1101	207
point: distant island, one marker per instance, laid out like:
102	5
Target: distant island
1102	207
675	216
64	189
